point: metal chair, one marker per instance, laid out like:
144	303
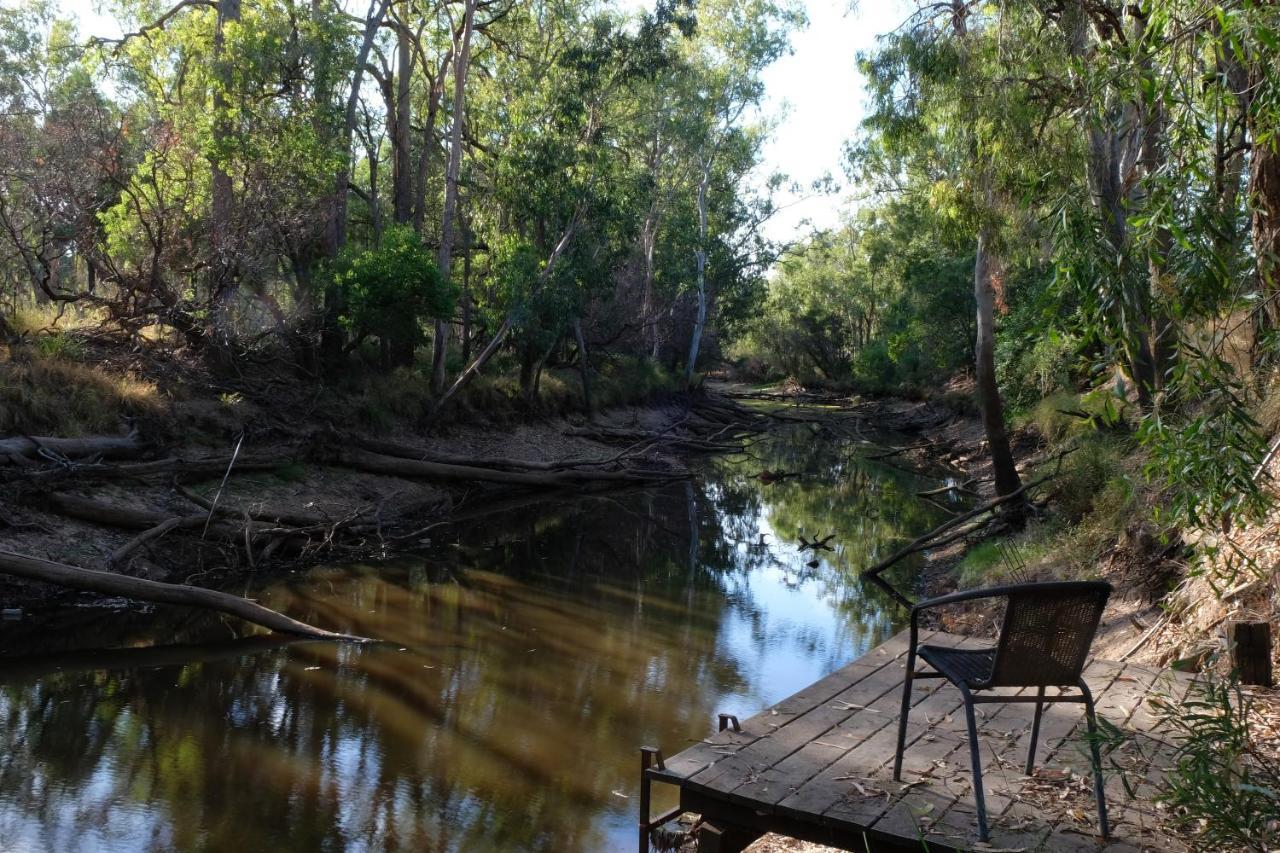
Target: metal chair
1044	641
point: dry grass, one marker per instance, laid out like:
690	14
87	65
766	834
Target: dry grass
35	319
51	394
404	396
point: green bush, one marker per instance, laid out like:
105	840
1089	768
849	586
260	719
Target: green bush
874	368
390	289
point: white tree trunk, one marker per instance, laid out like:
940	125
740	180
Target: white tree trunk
700	319
462	59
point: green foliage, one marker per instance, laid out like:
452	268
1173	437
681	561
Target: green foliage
60	345
1222	788
880	303
391	288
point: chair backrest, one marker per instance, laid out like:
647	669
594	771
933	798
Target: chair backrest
1047	631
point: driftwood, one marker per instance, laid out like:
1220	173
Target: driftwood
671	439
107	583
394	466
107	447
823	544
155	533
266	514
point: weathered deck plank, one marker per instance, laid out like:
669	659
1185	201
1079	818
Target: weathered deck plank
818	764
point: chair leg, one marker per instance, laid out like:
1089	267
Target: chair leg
1098	792
976	759
1035	732
902	716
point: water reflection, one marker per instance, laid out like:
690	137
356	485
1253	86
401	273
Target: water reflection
524	664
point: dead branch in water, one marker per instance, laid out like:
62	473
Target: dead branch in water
107	583
934	539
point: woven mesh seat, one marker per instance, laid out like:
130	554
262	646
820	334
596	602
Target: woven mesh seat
1044	642
971	667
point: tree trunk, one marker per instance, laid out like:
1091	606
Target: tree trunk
222	273
475	367
371	149
402	165
1264	199
500	335
441	349
1153	156
584	367
1105	147
1006	473
649	241
428	145
331	338
700	318
466	294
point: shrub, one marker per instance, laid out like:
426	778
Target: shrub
1222	787
390	289
874	368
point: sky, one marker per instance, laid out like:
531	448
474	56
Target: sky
817	90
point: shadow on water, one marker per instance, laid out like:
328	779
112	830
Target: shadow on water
524	662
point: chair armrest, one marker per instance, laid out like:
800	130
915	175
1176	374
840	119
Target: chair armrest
953	598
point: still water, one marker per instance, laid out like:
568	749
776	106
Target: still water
527	655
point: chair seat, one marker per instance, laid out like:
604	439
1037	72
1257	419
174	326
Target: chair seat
970	667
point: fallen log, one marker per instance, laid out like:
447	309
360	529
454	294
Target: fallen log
154	533
106	583
273	515
187	468
378	463
671	439
108	447
408	451
129	518
146	657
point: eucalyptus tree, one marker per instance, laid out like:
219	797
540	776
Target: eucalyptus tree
947	123
735	42
462	54
552	133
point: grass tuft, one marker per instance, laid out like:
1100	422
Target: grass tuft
53	395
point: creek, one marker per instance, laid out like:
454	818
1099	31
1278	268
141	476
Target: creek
525	657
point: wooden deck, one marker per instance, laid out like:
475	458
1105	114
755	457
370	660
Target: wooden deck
818	765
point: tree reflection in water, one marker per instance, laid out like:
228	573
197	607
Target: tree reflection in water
524	664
